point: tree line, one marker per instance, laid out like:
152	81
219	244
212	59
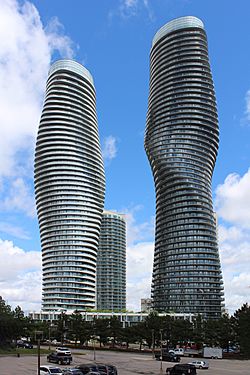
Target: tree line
224	332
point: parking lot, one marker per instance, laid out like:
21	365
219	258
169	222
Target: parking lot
126	363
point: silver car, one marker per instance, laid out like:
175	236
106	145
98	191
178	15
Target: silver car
200	364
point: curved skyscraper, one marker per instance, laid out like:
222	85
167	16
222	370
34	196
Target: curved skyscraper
69	188
181	142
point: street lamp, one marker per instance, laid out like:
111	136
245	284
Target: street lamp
38	337
161	370
153	343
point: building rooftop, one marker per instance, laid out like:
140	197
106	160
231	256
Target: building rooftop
73	66
176	24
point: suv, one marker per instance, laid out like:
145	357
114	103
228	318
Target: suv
185	369
63	349
166	356
60	358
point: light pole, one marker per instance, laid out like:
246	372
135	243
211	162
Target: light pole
153	343
38	336
94	347
161	370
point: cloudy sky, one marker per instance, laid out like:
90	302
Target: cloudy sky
113	39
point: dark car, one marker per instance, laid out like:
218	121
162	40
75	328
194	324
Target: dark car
85	368
60	358
106	369
72	371
166	356
182	369
24	344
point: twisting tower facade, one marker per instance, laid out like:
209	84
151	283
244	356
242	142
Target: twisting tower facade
69	188
181	143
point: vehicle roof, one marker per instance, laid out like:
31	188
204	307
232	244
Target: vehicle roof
183	365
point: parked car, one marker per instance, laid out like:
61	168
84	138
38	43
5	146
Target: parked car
99	368
63	349
167	356
85	368
60	358
72	371
182	369
177	351
48	370
24	344
106	369
200	364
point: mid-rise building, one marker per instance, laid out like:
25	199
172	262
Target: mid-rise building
181	142
69	188
111	263
146	305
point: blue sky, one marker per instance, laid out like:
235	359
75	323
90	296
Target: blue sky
113	40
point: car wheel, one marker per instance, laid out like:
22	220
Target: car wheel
200	367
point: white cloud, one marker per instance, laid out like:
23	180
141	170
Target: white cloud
233	199
109	149
232	204
137	232
26	49
14	231
20	280
139	273
132	8
140	252
19	198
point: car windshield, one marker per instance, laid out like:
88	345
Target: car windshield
55	371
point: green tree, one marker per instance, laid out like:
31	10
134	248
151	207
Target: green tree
75	324
241	322
115	327
6	323
101	329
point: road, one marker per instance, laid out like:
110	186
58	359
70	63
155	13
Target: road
126	363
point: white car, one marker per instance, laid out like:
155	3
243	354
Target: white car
63	349
48	370
200	364
178	351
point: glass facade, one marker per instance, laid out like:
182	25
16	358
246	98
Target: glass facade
69	188
181	143
111	263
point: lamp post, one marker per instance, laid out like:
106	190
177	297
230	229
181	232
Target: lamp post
38	337
153	343
94	347
161	370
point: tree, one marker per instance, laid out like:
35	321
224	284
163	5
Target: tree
101	329
6	323
75	323
241	323
115	327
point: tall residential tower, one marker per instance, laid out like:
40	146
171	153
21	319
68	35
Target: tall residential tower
181	142
111	263
69	188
